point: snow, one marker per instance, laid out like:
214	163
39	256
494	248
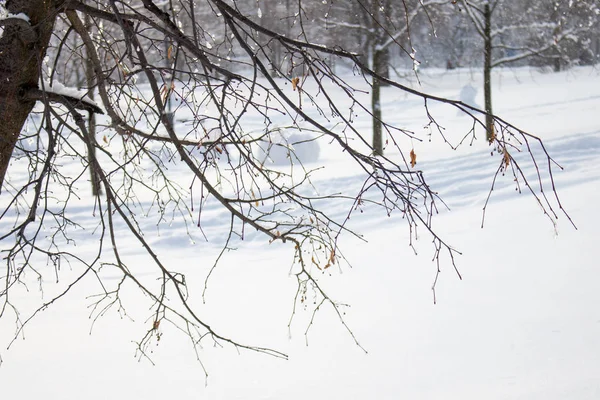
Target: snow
21	15
524	323
467	95
283	148
4	14
62	90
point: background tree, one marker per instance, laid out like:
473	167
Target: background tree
153	171
380	30
503	25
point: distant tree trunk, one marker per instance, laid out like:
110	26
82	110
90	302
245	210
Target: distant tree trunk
376	108
557	66
487	72
556	19
23	47
90	78
383	63
379	64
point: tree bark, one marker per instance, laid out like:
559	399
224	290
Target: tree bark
90	78
379	64
376	109
487	72
22	48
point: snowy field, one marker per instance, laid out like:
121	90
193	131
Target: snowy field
524	323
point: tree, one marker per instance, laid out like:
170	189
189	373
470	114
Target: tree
503	25
378	26
574	31
147	166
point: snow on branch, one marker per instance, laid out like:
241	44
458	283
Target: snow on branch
58	93
528	51
15	18
511	28
22	21
21	15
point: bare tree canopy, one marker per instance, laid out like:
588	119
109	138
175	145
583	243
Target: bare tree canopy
192	101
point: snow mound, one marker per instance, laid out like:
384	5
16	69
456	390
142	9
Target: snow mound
289	148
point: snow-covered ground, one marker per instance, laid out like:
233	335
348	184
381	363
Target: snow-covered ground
524	323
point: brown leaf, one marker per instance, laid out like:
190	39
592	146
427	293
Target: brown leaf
506	158
164	91
156	324
315	262
295	82
124	70
170	52
413	158
254	197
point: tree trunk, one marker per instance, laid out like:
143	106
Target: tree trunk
376	108
379	60
555	17
22	47
90	77
383	64
487	73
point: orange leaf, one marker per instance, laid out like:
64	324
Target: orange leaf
164	91
413	158
295	82
315	262
169	52
506	158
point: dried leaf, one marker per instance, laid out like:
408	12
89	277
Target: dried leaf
105	139
156	324
506	158
256	203
164	91
124	69
315	262
413	158
170	52
295	82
